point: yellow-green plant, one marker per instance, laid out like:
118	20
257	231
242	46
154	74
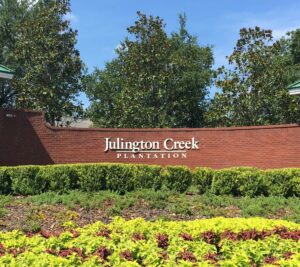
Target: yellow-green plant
225	242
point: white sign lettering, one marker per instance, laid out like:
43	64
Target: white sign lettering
168	148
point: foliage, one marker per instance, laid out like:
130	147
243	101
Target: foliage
27	181
226	242
12	14
5	181
91	178
156	80
247	181
295	46
178	178
282	182
121	178
238	182
49	66
163	204
202	178
59	179
254	87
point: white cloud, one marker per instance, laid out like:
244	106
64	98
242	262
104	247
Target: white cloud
279	21
279	32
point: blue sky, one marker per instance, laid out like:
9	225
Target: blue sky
102	24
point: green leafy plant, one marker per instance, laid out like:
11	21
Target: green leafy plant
203	178
178	178
122	178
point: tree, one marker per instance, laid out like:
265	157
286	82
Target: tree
254	88
294	49
156	80
295	46
192	75
49	66
12	14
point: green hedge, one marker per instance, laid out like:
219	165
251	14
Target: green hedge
247	181
121	178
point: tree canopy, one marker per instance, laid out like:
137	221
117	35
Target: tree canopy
40	47
254	86
12	15
156	80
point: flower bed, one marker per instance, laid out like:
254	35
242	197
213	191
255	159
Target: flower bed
219	241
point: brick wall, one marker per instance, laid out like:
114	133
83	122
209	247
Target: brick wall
26	139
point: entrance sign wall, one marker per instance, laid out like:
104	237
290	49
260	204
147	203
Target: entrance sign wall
25	138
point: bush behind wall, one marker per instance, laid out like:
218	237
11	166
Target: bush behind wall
121	178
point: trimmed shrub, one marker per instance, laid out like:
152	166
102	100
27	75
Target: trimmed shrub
252	183
60	178
177	178
226	182
92	177
149	176
282	182
121	178
203	178
26	180
296	185
5	181
237	182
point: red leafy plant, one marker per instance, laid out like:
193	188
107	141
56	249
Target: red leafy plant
75	233
127	255
30	234
163	255
138	236
212	257
294	235
47	234
2	249
186	256
210	237
270	260
104	232
52	251
66	252
162	241
186	236
103	253
253	234
16	251
288	255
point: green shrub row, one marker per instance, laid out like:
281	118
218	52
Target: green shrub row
247	181
121	178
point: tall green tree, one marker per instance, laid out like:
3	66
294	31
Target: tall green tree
192	65
156	80
49	66
295	46
12	14
294	49
254	86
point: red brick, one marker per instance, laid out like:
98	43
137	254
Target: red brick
26	139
